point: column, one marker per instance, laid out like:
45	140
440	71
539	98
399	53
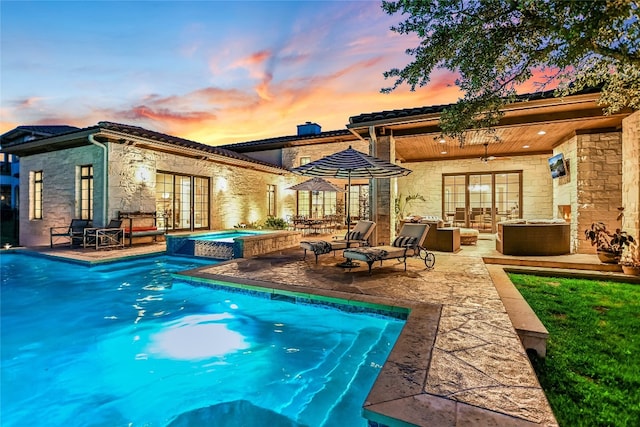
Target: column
383	192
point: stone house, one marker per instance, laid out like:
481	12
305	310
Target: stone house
97	172
504	174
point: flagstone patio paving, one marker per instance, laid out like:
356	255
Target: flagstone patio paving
459	360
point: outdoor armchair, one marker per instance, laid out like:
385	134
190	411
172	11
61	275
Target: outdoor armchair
73	234
108	237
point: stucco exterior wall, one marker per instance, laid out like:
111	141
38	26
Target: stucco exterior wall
599	183
60	187
291	155
631	175
426	179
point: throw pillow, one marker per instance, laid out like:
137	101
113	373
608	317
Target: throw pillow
353	235
402	241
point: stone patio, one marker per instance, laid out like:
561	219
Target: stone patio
458	361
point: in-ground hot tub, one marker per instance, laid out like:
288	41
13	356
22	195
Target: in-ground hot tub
229	244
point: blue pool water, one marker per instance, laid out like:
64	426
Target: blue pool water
224	236
125	344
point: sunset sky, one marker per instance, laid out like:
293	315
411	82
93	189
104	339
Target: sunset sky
211	71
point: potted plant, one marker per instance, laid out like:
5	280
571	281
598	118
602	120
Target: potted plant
609	244
630	259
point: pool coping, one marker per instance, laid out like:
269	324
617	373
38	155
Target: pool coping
398	396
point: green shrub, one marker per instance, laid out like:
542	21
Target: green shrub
275	223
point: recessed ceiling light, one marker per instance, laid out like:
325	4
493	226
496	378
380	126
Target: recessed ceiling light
525	146
542	132
442	141
443	152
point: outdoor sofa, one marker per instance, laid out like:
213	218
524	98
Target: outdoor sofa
546	237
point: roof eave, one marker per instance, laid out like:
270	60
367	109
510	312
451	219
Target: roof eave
123	138
52	143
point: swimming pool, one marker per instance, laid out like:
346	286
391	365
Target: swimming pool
125	344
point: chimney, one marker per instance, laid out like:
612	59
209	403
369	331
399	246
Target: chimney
309	129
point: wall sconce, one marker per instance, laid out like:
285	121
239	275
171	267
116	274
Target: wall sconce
143	174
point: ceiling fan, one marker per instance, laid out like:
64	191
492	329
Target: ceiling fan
486	156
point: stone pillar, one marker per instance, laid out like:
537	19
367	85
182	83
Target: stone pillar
599	174
383	192
631	174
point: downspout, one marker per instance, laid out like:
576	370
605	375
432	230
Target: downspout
105	175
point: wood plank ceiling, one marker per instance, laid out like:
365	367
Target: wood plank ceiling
527	128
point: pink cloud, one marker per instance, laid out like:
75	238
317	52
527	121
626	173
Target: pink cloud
166	115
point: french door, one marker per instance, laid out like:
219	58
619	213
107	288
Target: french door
481	200
182	201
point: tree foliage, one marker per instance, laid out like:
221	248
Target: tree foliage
496	45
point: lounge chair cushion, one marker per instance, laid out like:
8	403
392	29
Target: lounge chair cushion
402	241
366	254
136	229
319	247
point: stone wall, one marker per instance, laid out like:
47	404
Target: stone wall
599	183
631	174
238	195
60	190
250	246
383	193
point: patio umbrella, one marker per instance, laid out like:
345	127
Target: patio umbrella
349	164
316	185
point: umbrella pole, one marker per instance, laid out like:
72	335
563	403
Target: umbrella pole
349	262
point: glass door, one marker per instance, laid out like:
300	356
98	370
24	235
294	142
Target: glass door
182	219
182	201
455	200
507	196
481	200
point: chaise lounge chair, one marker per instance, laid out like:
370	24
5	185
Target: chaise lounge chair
359	236
408	243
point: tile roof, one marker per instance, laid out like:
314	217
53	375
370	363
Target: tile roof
283	141
179	142
433	109
49	129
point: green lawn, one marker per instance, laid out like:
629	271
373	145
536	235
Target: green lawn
591	375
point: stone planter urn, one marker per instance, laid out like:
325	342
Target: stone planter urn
608	257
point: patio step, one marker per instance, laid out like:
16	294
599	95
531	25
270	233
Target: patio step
553	262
